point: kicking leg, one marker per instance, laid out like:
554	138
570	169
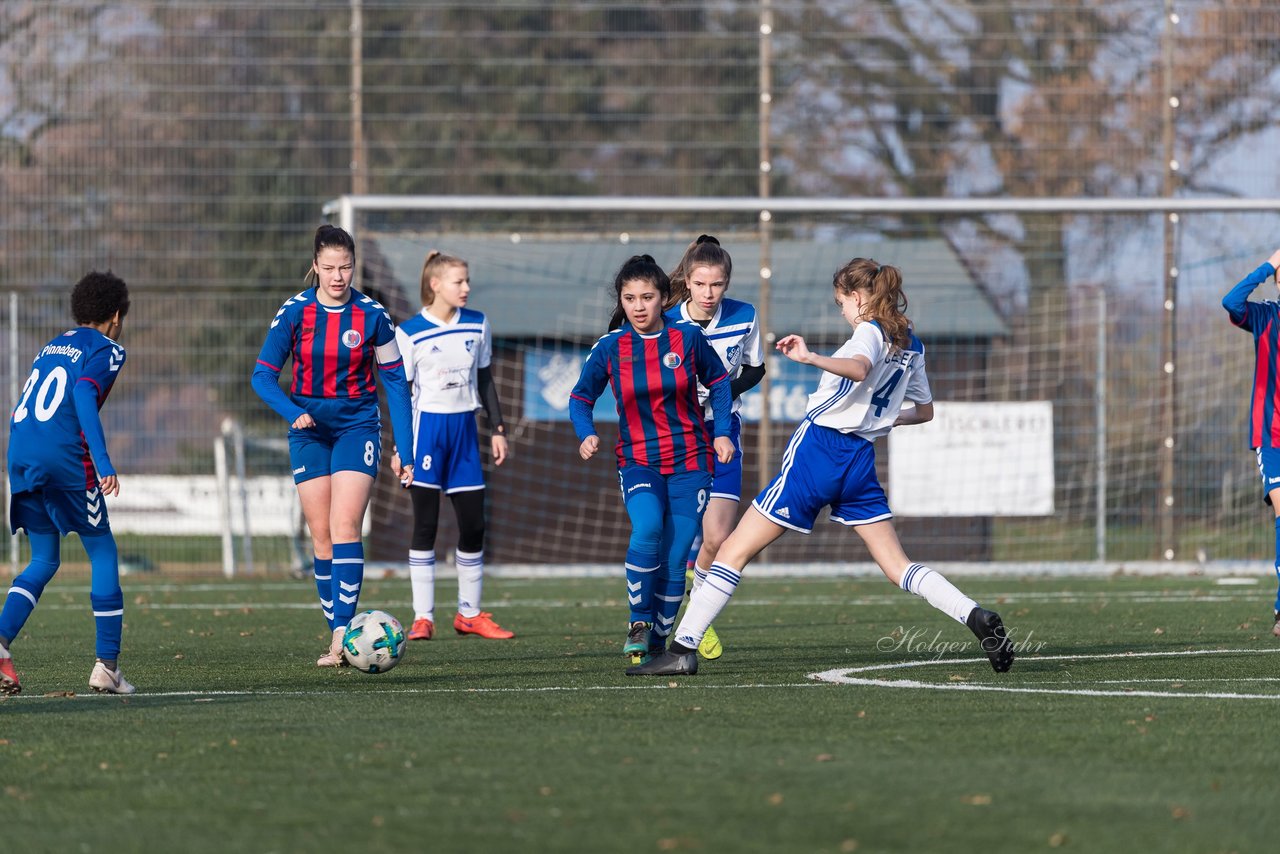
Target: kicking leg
929	584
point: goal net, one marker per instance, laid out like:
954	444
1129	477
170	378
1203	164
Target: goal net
1046	351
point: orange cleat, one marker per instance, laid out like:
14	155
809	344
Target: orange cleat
8	676
481	624
423	629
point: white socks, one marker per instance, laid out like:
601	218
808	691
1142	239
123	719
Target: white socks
422	577
931	586
706	603
470	580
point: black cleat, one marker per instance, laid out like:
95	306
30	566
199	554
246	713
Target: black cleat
989	629
637	642
1275	629
667	663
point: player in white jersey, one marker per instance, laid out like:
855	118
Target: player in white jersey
830	460
698	286
448	348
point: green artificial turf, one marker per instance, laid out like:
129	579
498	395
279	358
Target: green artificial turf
237	742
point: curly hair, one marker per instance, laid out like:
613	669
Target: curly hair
97	297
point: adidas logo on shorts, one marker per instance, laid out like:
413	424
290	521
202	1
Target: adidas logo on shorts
783	512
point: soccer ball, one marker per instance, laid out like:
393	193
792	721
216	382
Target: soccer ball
374	642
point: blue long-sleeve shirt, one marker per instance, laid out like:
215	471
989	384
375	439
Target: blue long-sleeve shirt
1263	320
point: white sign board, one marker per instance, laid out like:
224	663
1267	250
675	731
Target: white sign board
974	459
169	505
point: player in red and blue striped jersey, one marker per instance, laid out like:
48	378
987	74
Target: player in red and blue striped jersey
664	453
60	471
335	336
1263	320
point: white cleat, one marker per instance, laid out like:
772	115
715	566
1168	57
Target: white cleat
106	681
333	657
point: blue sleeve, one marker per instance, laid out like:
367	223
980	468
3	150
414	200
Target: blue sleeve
1236	302
400	407
85	397
590	385
396	385
266	373
266	382
715	378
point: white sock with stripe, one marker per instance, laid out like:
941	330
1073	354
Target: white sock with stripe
699	577
422	578
933	587
706	603
470	580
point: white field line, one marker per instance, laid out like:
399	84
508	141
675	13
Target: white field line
842	676
210	696
874	600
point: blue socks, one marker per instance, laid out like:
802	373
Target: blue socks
348	573
30	583
1277	567
670	582
105	594
323	569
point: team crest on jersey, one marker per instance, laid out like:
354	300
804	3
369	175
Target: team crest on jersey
351	338
671	360
731	355
471	342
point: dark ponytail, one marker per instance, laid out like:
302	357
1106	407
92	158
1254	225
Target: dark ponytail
637	267
329	237
703	252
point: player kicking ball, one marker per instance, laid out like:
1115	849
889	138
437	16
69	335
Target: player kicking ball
59	473
830	460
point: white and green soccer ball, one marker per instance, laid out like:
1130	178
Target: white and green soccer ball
374	642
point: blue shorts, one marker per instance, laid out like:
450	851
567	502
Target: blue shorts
822	466
446	452
1269	469
347	437
728	477
60	511
684	493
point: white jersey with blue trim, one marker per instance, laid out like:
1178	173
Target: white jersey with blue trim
869	408
441	359
734	333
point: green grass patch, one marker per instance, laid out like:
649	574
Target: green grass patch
237	742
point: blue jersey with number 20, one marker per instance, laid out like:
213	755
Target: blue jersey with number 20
49	448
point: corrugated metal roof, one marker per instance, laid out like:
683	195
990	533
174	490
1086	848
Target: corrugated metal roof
560	287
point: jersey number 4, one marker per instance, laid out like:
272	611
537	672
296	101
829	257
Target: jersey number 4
880	397
48	398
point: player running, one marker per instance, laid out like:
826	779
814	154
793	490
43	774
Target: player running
664	453
830	460
698	286
60	471
1263	320
447	349
335	335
